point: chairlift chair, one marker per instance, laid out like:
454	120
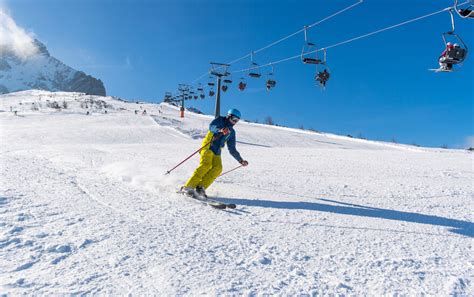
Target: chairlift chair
456	55
253	69
242	84
309	47
465	12
202	96
224	88
211	81
468	13
271	82
253	73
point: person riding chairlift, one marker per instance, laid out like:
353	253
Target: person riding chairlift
444	55
466	12
242	86
323	77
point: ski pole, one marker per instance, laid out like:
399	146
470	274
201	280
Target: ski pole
231	170
214	138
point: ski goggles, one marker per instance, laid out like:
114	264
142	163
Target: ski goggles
234	119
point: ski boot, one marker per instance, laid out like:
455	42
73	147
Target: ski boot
201	192
188	191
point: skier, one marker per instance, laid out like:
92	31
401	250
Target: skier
443	57
220	132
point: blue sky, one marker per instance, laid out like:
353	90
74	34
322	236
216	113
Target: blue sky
380	86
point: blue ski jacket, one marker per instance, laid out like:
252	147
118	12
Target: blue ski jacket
219	139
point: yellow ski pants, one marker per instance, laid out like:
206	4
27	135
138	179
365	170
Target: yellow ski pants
210	167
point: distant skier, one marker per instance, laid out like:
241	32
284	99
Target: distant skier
220	132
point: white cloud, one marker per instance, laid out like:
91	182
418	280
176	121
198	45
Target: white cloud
15	38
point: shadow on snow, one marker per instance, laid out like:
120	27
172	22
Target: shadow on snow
457	226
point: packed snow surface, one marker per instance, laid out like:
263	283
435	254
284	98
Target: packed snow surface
85	207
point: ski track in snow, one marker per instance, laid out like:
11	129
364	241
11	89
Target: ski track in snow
85	208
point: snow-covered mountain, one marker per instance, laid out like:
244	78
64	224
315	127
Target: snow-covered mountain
85	208
42	71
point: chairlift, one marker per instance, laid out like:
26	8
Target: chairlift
201	91
455	54
253	70
465	12
271	82
211	93
226	82
242	84
458	54
308	48
211	82
196	97
254	74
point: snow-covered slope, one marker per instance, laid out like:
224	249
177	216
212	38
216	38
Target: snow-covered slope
42	71
85	207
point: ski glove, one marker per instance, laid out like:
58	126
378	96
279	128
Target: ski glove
224	131
244	163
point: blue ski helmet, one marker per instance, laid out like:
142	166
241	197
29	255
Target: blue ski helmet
234	112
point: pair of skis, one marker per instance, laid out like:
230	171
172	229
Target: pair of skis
207	201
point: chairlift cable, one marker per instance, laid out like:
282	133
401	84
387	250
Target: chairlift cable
285	38
350	40
297	32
